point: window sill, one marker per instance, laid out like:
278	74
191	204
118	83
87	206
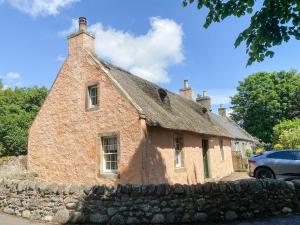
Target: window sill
179	169
92	108
109	175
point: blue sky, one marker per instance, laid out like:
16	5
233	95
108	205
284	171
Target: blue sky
159	37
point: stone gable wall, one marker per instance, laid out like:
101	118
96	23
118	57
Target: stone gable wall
134	204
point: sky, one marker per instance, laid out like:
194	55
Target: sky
157	40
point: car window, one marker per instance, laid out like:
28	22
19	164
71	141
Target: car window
297	154
282	155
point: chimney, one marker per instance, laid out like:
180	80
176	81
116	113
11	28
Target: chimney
204	100
81	40
82	24
222	111
186	92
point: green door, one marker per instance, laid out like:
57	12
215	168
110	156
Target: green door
205	158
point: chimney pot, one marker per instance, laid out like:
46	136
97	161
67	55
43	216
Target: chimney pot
186	83
186	91
222	111
82	24
204	100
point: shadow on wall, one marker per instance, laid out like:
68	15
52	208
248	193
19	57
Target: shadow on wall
102	203
146	166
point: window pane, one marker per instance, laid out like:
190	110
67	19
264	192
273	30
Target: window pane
282	155
93	96
110	147
178	144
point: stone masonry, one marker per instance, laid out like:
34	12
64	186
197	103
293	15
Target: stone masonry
135	204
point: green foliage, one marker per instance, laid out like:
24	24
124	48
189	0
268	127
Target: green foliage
263	100
249	152
272	22
278	146
287	133
18	108
259	150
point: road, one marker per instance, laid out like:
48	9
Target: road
287	220
6	219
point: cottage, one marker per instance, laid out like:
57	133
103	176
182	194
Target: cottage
101	124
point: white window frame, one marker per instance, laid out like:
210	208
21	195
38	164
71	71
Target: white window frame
115	147
221	143
90	97
178	147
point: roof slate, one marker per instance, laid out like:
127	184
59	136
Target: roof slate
173	111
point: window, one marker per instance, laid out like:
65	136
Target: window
178	141
110	154
297	154
282	155
221	149
93	96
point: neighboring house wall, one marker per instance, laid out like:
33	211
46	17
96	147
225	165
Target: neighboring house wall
64	143
241	146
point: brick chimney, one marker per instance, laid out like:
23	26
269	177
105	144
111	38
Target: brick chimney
204	100
186	91
222	111
82	39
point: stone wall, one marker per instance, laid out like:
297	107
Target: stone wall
134	204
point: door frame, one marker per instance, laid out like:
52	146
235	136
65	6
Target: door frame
205	158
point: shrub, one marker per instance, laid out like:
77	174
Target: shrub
259	150
278	146
249	152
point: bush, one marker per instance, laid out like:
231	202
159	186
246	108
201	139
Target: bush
18	108
249	152
287	134
278	146
259	150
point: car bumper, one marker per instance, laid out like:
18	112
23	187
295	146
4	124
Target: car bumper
251	173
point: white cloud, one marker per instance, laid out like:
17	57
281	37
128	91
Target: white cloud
11	79
40	7
148	55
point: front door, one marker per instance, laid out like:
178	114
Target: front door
205	158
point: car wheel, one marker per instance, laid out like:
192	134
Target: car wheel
263	173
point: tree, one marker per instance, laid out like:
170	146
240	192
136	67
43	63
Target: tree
272	22
18	108
296	107
264	100
287	134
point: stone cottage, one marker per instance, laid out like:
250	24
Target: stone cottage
101	124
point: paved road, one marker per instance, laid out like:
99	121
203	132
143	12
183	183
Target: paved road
6	219
287	220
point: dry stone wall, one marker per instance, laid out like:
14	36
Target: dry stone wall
135	204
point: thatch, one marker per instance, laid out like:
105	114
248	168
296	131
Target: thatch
231	127
162	108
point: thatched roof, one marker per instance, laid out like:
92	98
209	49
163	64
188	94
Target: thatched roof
234	129
162	108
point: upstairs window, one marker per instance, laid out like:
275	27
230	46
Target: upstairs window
221	149
93	100
110	154
178	142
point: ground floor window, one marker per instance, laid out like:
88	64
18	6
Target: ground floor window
178	142
110	154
